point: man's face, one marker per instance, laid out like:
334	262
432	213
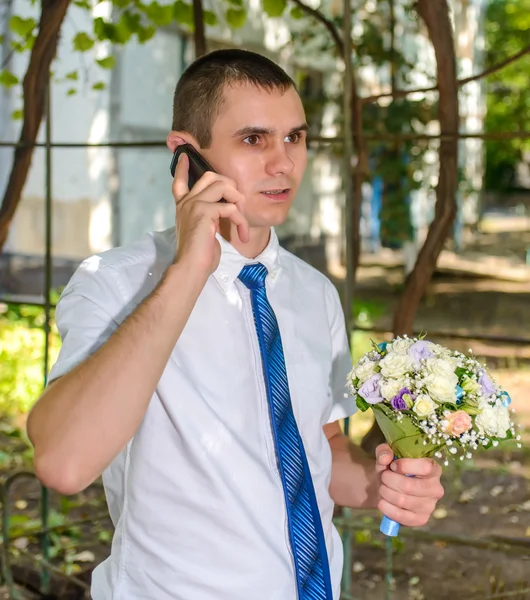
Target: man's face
259	140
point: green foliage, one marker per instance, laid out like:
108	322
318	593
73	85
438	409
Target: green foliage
82	42
274	8
7	78
508	92
22	357
236	17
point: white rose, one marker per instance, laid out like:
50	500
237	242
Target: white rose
365	371
396	365
440	367
441	389
391	387
424	406
493	421
400	346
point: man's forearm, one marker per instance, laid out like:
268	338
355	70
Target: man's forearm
84	419
354	480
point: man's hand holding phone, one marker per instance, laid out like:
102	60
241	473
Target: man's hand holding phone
199	211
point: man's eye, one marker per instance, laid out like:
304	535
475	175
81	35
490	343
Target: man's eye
252	140
293	138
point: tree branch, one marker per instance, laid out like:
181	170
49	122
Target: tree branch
325	21
435	14
493	69
199	35
34	86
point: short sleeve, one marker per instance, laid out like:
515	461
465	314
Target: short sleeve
343	405
87	314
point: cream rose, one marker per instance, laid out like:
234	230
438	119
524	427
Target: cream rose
457	423
365	371
400	346
493	421
440	367
396	365
424	406
391	388
441	389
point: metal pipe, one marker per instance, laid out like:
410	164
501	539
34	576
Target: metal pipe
45	499
348	232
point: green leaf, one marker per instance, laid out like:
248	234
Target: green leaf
99	86
7	78
236	17
1	39
107	63
84	4
73	76
82	42
297	12
183	13
71	92
159	14
145	34
405	438
274	8
17	114
210	18
238	3
22	26
362	405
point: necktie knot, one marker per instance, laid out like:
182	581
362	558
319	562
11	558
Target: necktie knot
253	276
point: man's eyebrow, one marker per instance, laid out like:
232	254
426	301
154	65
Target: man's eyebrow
256	130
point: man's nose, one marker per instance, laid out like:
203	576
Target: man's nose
278	160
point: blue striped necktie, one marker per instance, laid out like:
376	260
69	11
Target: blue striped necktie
305	525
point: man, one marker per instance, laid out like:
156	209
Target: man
203	373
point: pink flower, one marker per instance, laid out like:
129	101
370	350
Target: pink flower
458	423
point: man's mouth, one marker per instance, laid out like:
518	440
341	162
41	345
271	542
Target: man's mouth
277	193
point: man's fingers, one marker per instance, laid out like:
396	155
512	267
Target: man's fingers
412	486
402	516
180	182
231	212
419	467
415	504
220	188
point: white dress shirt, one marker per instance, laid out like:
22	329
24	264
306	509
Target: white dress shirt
196	497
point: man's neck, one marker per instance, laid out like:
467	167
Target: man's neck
259	239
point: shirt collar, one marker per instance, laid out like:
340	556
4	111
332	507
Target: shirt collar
233	261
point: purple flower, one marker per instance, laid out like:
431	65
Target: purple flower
419	350
488	389
370	390
399	402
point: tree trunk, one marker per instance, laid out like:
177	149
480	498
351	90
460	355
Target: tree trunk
435	14
359	174
34	89
199	35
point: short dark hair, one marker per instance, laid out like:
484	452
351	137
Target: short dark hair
198	96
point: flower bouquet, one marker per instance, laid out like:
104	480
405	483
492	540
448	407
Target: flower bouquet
430	401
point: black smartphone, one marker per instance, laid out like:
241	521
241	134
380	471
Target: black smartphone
198	164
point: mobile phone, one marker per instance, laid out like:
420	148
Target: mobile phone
198	164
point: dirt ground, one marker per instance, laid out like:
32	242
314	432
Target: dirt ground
486	499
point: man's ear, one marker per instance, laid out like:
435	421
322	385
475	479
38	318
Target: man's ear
178	138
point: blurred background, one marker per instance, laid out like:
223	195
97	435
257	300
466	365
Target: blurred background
416	204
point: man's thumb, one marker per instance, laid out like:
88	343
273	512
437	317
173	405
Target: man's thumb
384	455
